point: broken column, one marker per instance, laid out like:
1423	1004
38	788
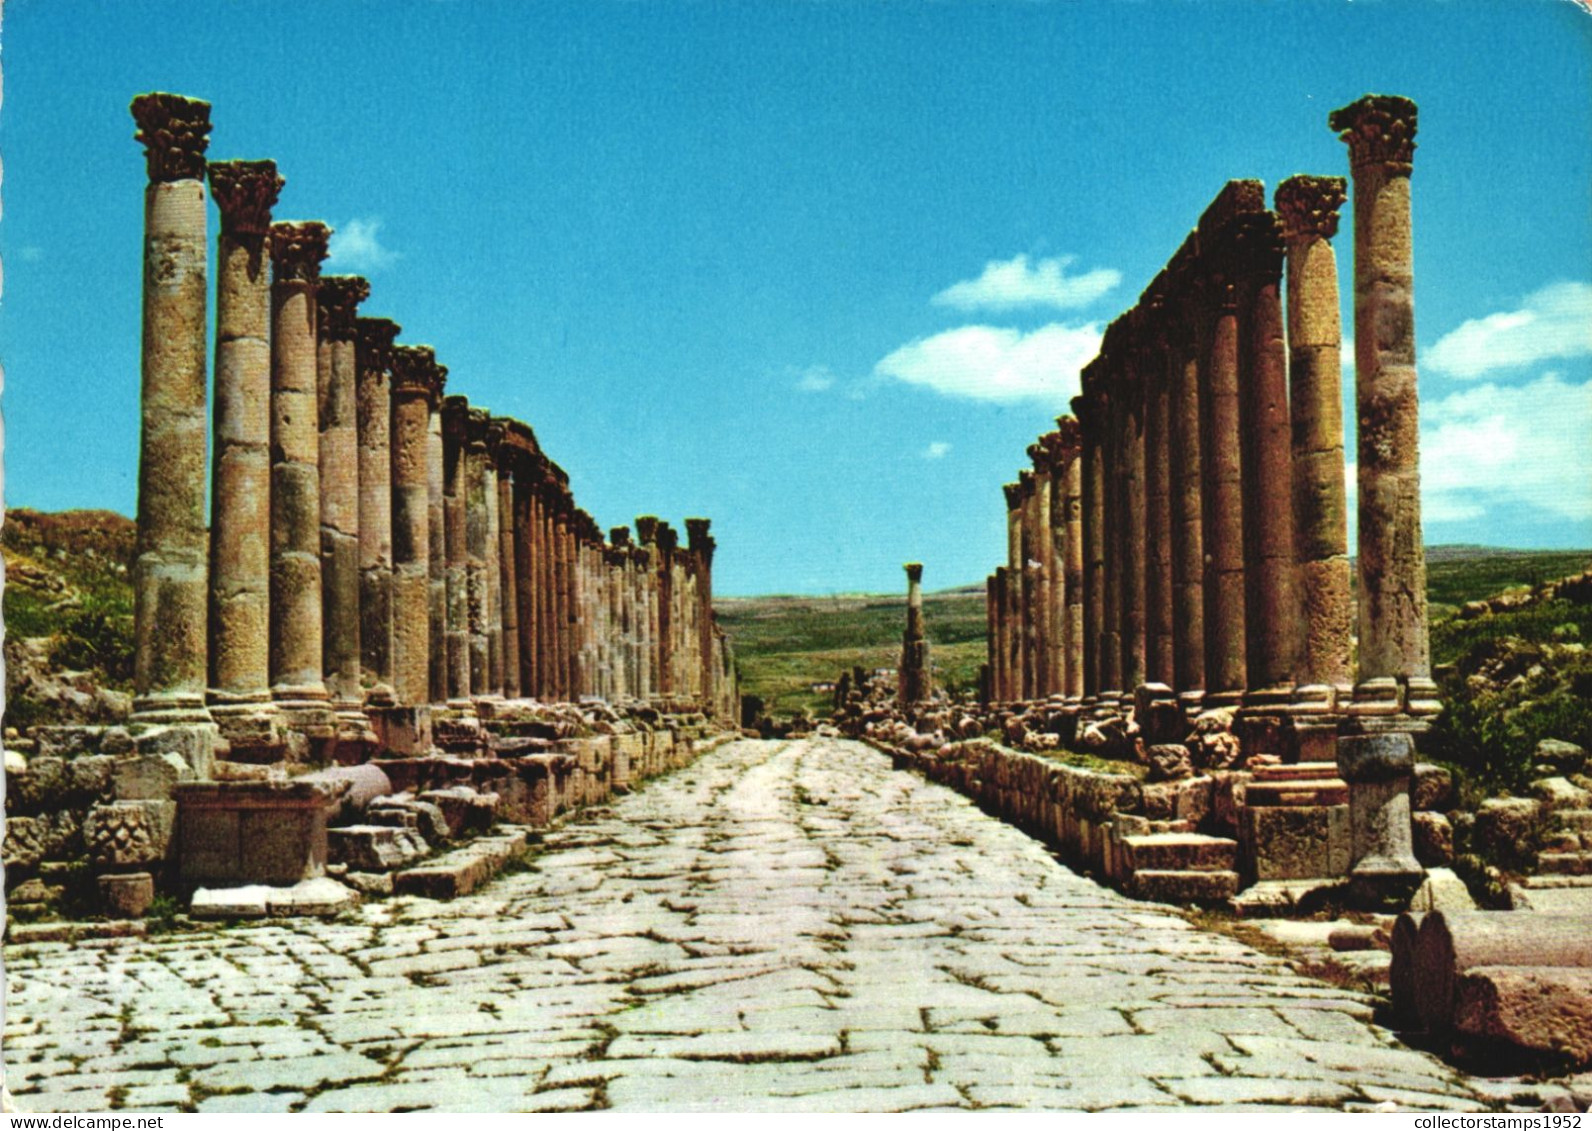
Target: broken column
297	249
1309	210
240	522
1383	867
338	298
169	571
1394	651
913	686
375	412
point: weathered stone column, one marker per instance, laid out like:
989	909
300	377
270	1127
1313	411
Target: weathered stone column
1378	768
240	522
913	686
1027	595
646	534
338	298
1055	548
416	391
1309	210
437	561
525	574
480	490
702	545
1222	502
993	646
1394	650
1071	450
1043	553
1187	503
375	413
1012	613
1151	365
296	631
668	660
170	664
552	593
1271	611
1090	412
508	589
456	551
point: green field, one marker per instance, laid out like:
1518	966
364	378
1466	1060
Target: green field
784	645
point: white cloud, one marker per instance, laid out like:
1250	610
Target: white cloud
815	379
936	450
1013	283
992	363
1495	446
1553	322
356	246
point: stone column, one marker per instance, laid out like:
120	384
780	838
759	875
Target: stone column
1011	614
992	628
913	686
1044	573
416	391
338	298
1222	497
1089	410
480	491
1071	453
1151	365
1309	210
1128	397
437	561
668	659
1187	503
1394	650
1026	592
525	576
552	594
646	534
240	522
456	551
170	664
1055	548
1271	612
375	412
508	590
703	545
296	630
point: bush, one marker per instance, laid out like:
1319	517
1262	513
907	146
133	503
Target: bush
97	639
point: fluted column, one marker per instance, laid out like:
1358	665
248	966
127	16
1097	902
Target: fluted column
296	630
1187	503
240	517
416	391
375	411
170	589
1394	649
1220	446
1271	612
1309	210
338	298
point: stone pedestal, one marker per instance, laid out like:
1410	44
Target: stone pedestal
1378	769
266	832
170	590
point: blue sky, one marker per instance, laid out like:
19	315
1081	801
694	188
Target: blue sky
820	271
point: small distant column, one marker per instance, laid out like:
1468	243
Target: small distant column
1394	649
1309	210
437	559
646	535
1090	411
375	411
507	626
913	687
169	573
668	660
338	298
994	650
455	486
702	545
1012	589
240	520
1071	455
416	391
297	249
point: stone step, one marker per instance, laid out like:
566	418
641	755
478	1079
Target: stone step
1179	852
1297	771
1565	863
1574	820
1315	791
464	869
375	848
1165	886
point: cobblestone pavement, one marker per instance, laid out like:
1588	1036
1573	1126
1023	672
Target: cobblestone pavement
781	926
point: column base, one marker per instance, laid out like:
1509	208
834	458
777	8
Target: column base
402	732
1313	699
251	724
194	742
1222	700
1272	700
170	707
1421	697
1380	695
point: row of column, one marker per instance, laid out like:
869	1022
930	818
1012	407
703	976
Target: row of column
372	541
1187	527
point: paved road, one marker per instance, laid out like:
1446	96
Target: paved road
781	926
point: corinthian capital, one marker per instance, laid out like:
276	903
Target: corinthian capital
1379	130
174	132
1309	206
297	248
245	192
339	297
